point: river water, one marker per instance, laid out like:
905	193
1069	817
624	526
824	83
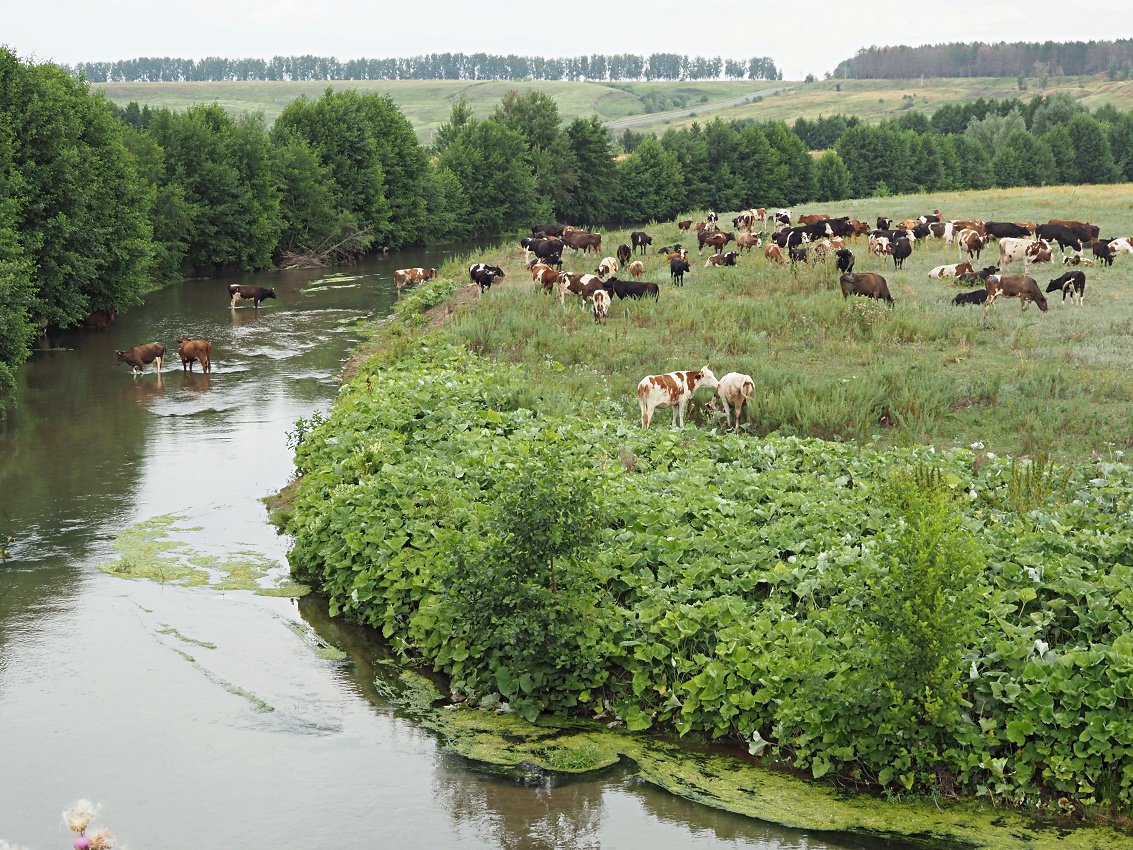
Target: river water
151	699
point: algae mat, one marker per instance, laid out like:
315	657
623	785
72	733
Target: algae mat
505	742
149	551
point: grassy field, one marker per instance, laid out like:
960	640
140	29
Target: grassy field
923	371
426	103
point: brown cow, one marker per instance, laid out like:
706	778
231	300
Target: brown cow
969	240
547	278
637	269
748	241
716	240
813	218
580	239
99	320
255	294
199	350
140	356
868	284
683	226
774	253
402	277
1019	286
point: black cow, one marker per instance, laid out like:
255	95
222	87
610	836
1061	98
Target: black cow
677	269
484	275
1072	284
242	292
1102	252
841	227
884	222
983	274
547	230
639	239
791	237
797	255
1061	234
976	296
901	249
623	254
631	288
845	259
1006	230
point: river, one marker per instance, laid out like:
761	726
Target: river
205	718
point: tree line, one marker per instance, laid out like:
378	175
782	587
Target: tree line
1027	59
432	66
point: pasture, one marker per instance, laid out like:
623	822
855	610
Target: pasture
921	372
426	103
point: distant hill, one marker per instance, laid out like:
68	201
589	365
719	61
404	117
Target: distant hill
1031	59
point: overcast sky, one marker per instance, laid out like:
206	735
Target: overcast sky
801	38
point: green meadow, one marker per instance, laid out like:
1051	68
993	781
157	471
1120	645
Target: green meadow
921	372
426	103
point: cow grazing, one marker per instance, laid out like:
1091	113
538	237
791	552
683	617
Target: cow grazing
100	320
547	278
241	292
1103	252
1061	234
1026	289
549	251
632	288
581	240
954	270
401	277
538	269
797	255
901	250
683	226
672	390
1072	284
677	269
735	389
1006	230
748	241
637	269
774	254
976	296
623	254
484	275
716	240
728	259
582	285
140	356
866	284
971	242
601	305
845	259
640	239
607	266
813	218
860	228
1029	251
195	350
983	274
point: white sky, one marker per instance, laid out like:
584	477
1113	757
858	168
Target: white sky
802	38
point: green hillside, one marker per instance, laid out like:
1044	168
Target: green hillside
651	107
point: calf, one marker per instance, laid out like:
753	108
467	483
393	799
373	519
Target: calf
637	269
970	241
1072	284
198	350
983	274
401	277
735	389
672	390
140	355
241	292
867	284
624	253
954	270
797	255
677	269
640	239
774	254
1026	289
484	275
976	296
902	249
547	278
607	266
728	259
1103	252
632	288
683	226
601	305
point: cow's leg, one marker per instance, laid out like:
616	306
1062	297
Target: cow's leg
235	299
646	412
727	413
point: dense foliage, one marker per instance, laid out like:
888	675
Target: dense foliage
1029	59
907	618
433	66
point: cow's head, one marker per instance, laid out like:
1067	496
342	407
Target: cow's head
704	378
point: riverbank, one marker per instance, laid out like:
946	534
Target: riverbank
739	585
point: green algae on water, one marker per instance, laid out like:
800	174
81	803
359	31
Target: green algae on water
149	552
504	742
169	630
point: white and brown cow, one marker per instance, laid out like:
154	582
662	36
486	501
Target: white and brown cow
403	277
954	270
637	269
601	305
672	390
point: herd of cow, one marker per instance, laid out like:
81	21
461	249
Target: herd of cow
189	350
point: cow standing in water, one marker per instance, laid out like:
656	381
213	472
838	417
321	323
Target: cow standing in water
255	294
140	356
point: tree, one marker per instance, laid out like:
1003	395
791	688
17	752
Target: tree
593	156
992	131
535	116
873	155
831	178
974	163
1052	111
1023	160
1121	143
1057	138
460	115
1091	146
792	153
650	185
